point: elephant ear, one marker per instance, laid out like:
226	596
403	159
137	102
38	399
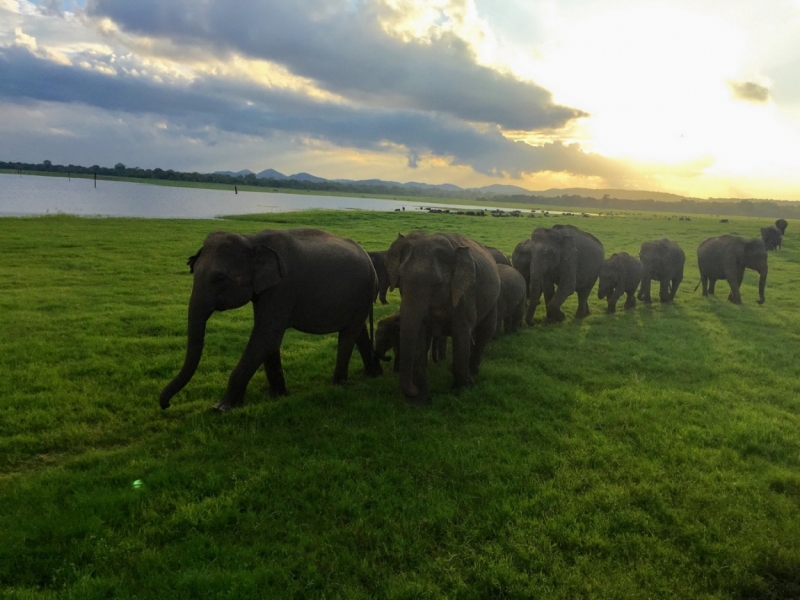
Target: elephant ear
463	274
395	256
192	260
268	268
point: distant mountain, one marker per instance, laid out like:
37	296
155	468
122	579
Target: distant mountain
307	177
271	174
499	188
611	193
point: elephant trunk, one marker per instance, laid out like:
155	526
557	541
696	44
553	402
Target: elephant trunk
198	315
762	282
411	323
535	295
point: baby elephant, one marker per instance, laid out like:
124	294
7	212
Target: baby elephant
621	274
511	302
387	337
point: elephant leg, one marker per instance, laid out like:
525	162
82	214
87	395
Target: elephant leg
439	348
583	302
516	318
712	283
382	296
275	378
482	336
644	290
498	329
262	344
420	373
462	349
676	282
734	281
344	350
663	292
630	302
372	366
613	298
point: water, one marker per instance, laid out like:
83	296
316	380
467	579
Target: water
37	195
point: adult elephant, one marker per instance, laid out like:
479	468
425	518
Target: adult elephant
305	279
771	236
521	261
499	256
726	257
782	224
662	260
449	285
379	262
563	260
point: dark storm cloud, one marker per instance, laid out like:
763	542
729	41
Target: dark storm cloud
749	91
346	51
249	109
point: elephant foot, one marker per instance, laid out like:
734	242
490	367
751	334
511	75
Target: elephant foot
278	392
611	310
375	370
418	400
761	301
222	407
458	386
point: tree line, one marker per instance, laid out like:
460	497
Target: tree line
712	206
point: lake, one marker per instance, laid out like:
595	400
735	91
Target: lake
39	195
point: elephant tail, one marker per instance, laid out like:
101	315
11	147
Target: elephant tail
697	286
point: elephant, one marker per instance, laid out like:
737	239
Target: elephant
563	260
726	257
621	274
521	261
387	337
511	302
499	256
305	279
663	260
449	285
771	237
782	225
379	262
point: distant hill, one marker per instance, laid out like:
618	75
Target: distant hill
307	177
611	193
496	189
499	188
271	174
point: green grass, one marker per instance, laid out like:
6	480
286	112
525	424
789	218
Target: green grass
654	453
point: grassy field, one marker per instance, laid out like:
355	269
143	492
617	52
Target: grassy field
654	453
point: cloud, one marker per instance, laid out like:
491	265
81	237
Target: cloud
345	48
749	91
204	104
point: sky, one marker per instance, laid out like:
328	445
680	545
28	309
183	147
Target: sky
695	97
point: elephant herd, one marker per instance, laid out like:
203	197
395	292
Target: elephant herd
451	286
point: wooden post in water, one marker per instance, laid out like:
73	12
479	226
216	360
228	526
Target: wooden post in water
235	189
95	178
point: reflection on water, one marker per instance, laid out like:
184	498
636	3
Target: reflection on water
38	195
